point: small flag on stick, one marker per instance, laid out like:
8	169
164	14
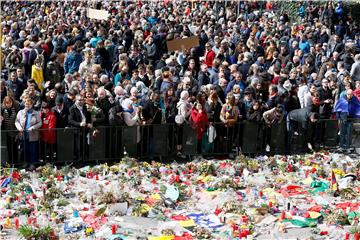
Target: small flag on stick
334	184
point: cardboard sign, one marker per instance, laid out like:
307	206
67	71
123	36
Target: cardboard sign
184	43
97	14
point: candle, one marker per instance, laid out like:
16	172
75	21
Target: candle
356	236
290	168
52	235
113	229
270	204
16	222
261	194
7	223
307	173
347	236
283	215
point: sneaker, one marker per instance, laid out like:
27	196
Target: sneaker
296	133
267	149
310	146
340	150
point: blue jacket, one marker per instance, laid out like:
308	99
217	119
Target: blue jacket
153	20
304	46
232	84
351	107
72	62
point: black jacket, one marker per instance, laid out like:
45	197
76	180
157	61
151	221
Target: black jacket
254	116
75	116
203	79
151	113
114	118
325	108
61	117
301	115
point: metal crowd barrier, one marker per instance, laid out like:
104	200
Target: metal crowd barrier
109	143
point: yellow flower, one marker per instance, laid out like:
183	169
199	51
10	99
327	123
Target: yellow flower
145	208
339	172
89	230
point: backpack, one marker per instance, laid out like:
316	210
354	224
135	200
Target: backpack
39	57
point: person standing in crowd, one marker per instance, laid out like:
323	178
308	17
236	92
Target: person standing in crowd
15	85
27	122
272	118
151	114
48	133
347	109
355	69
61	113
9	110
73	59
209	55
184	111
37	73
326	102
200	121
229	116
79	118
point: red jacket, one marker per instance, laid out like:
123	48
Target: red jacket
357	93
209	58
200	121
48	122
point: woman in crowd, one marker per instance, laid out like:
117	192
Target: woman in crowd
48	133
27	122
199	121
229	116
9	109
184	111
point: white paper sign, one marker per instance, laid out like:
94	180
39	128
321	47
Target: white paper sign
97	14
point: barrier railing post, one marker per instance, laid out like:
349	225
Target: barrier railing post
72	144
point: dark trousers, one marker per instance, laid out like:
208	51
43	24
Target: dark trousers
345	130
12	149
47	151
81	146
267	135
30	151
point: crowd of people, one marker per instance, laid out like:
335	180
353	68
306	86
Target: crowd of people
62	69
